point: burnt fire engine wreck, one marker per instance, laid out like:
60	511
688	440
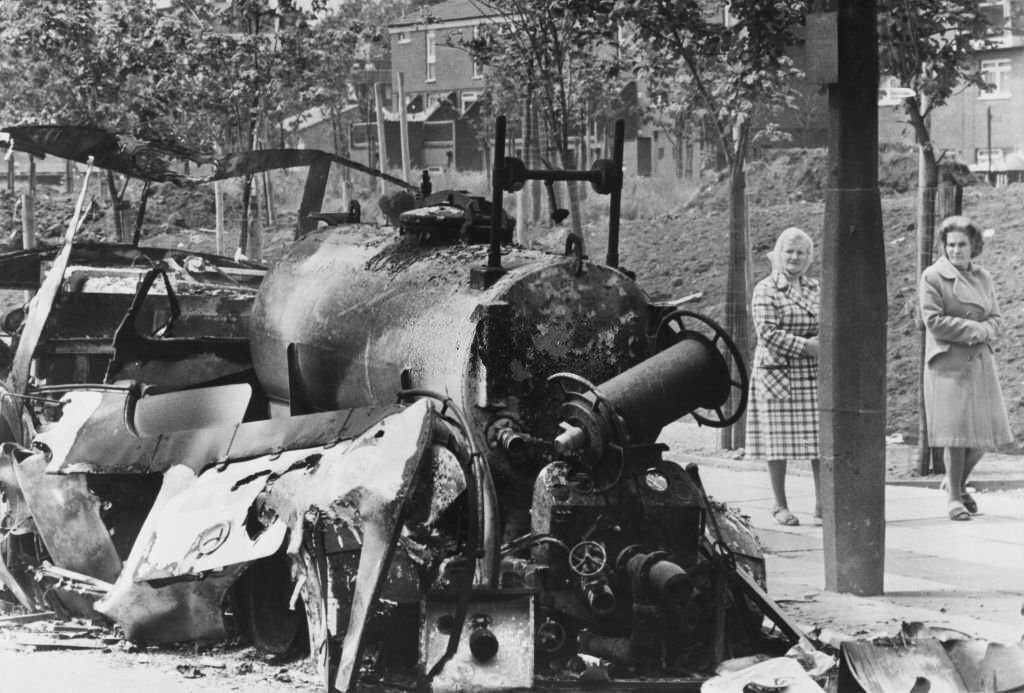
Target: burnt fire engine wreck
428	457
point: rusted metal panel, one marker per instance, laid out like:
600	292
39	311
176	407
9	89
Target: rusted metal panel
67	518
509	619
188	410
308	430
168	613
24	269
897	666
204	527
214	522
92	436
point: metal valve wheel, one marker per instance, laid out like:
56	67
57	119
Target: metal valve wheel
675	326
587	558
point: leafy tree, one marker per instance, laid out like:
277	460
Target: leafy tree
547	61
929	46
84	62
214	75
728	67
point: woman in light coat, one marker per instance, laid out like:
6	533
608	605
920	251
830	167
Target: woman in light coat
964	406
782	418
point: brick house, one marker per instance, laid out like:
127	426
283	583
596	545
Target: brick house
985	129
443	84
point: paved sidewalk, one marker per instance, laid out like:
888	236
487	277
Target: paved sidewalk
968	576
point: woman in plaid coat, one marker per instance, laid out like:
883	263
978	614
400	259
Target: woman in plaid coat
782	418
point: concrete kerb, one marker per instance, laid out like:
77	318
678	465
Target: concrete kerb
689	442
948	575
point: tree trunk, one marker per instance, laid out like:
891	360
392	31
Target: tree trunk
115	206
243	234
737	298
927	180
140	216
256	227
531	154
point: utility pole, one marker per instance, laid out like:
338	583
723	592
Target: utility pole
853	310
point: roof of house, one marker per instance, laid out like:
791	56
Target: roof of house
448	11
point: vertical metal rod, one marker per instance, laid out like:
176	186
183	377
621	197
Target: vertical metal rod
988	129
612	258
497	184
403	125
382	145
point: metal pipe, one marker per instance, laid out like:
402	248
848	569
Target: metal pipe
552	175
497	185
600	597
615	208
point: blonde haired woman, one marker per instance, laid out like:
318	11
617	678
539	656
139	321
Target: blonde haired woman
782	419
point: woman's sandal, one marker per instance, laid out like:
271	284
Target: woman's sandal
958	512
784	517
969	503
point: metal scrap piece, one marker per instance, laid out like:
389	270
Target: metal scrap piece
898	667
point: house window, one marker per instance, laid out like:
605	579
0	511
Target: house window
403	37
431	56
359	135
996	74
990	158
468	98
997	14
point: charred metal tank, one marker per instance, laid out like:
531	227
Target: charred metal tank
347	318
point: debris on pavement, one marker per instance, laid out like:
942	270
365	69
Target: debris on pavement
919	658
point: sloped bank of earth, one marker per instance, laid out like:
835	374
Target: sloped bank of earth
686	252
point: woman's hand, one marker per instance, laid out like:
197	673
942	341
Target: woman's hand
811	347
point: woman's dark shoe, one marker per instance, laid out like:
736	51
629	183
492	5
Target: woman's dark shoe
969	503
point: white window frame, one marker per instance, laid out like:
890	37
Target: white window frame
997	72
995	154
1002	35
431	64
467	99
403	37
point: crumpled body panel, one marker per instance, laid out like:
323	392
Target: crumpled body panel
93	437
210	526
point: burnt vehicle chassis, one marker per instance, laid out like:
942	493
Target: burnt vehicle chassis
436	461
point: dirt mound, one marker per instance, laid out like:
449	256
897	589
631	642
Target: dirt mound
684	252
780	176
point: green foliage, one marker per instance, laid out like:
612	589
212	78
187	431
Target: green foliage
209	74
929	46
708	67
540	55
